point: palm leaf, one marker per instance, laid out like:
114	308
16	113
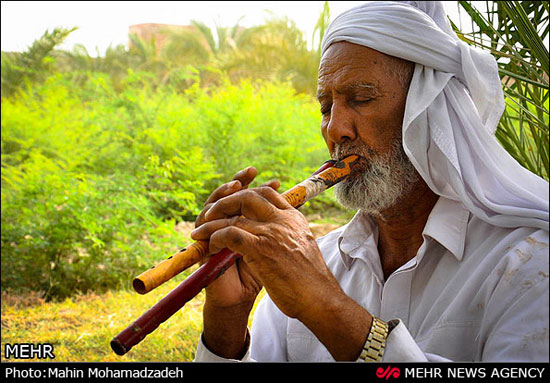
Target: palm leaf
513	32
34	64
529	34
206	32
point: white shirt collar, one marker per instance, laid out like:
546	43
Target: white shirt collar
360	232
446	224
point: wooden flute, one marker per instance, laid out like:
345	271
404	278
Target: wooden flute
327	176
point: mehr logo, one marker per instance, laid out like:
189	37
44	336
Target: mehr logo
389	372
29	351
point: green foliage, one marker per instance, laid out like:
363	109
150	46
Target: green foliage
65	233
275	50
261	124
514	32
32	65
95	179
102	156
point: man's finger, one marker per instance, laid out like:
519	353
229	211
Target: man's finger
273	197
224	190
273	184
246	176
248	203
205	231
200	218
233	238
241	180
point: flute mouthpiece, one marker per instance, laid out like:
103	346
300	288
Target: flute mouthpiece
340	170
320	182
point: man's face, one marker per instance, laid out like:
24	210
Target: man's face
362	103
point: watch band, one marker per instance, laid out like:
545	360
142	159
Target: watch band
374	347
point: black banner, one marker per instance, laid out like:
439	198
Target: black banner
365	372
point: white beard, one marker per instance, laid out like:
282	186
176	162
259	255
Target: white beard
385	180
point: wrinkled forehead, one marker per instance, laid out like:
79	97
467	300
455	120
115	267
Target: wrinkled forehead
347	59
348	52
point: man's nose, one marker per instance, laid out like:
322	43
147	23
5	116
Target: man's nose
341	126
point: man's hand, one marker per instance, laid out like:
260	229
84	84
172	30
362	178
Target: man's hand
230	298
236	286
280	253
276	244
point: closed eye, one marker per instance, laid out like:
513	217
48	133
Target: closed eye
360	101
325	109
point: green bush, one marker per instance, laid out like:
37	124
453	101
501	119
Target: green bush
94	179
262	124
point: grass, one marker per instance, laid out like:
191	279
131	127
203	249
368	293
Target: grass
80	329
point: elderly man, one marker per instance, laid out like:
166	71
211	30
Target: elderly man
446	259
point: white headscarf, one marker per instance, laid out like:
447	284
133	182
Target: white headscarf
454	104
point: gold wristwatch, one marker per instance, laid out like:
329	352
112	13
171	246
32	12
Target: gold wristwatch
373	350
